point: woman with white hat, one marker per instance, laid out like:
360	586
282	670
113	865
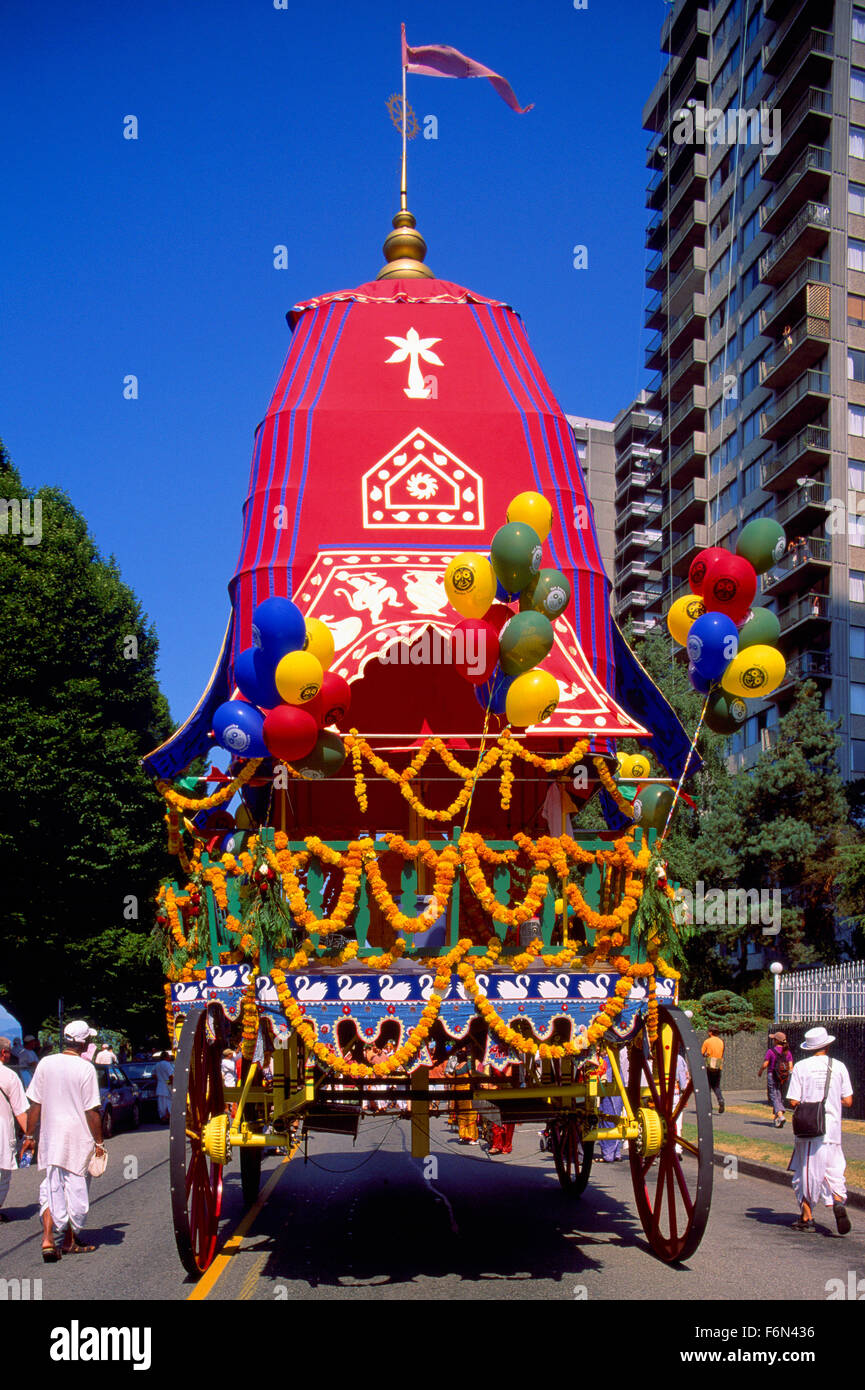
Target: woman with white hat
818	1163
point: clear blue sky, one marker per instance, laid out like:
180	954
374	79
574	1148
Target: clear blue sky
260	126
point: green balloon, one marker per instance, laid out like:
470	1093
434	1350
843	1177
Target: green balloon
524	642
325	760
763	542
515	555
762	628
549	593
652	806
725	713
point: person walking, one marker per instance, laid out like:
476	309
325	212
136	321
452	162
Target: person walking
106	1055
164	1073
27	1059
13	1106
713	1051
818	1163
778	1065
64	1094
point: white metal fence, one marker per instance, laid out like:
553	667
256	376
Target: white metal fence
829	992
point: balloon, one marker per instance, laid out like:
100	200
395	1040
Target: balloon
243	818
729	586
762	543
725	713
502	594
239	728
685	611
290	732
498	615
278	627
515	555
475	649
532	698
299	677
492	695
335	697
253	676
761	629
701	684
756	671
634	766
470	584
697	572
325	760
525	641
319	641
712	643
549	594
652	806
533	510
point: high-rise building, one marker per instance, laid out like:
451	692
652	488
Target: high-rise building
637	593
597	454
757	235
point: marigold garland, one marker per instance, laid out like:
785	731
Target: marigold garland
217	798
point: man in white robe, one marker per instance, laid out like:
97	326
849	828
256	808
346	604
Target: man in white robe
818	1165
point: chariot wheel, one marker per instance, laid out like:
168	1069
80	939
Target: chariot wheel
573	1158
250	1173
671	1172
196	1179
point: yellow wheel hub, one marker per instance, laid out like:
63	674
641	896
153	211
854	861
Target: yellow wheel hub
215	1141
651	1135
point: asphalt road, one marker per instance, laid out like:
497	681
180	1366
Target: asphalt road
364	1222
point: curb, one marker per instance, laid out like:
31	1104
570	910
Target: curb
754	1169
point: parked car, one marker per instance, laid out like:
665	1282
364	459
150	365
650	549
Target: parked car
120	1098
142	1075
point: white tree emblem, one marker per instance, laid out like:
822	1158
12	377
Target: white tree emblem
416	350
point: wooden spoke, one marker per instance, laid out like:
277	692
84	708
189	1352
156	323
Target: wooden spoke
196	1181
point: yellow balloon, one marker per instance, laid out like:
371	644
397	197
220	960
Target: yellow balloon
298	677
319	641
532	698
470	584
243	818
685	611
754	672
533	510
633	766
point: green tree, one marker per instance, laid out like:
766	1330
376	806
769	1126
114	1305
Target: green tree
81	830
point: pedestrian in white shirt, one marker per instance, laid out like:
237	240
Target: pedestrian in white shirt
105	1056
65	1094
13	1106
818	1164
164	1073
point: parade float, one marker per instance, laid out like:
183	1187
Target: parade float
420	680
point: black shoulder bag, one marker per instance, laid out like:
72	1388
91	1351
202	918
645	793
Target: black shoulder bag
809	1117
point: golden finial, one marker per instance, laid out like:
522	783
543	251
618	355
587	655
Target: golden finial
404	250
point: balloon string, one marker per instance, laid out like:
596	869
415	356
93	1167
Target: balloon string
684	770
478	763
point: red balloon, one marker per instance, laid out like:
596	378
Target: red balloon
475	649
498	614
290	732
699	564
334	698
729	585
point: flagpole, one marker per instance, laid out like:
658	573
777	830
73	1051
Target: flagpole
402	189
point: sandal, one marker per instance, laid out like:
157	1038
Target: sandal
80	1250
50	1254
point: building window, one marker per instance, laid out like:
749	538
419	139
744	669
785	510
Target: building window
858	24
856	530
856	310
719	318
754	24
751	376
857	698
749	180
857	84
753	76
750	280
855	254
750	427
856	420
721	268
856	198
855	365
750	329
856	592
716	366
857	644
749	230
855	476
858	754
751	478
856	145
731	62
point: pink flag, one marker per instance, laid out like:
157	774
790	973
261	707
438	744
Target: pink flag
437	60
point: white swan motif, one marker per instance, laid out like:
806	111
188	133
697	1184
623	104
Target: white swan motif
186	993
461	990
392	992
557	991
310	992
595	989
426	986
225	977
349	991
266	992
514	991
483	984
637	991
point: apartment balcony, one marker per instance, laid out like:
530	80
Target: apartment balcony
691	231
648	543
782	49
803	345
687	506
688	370
656	315
639	575
689	413
807	233
809	123
808	180
802	568
808	452
683	552
654	351
806	507
806	666
690	184
806	291
805	616
634	454
686	462
691	323
657	151
809	66
638	600
801	403
689	279
656	272
635	422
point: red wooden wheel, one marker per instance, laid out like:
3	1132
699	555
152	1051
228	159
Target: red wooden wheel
672	1173
573	1158
196	1181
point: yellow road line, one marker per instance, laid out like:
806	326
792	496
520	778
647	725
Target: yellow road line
211	1275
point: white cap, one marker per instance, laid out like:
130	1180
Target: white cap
78	1031
816	1038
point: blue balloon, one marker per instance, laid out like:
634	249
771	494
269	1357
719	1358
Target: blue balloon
253	675
699	683
502	595
713	641
278	628
238	728
493	693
